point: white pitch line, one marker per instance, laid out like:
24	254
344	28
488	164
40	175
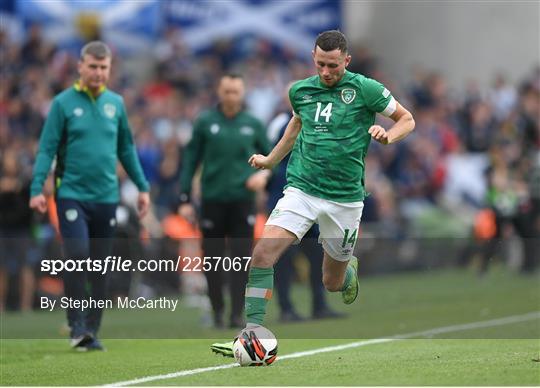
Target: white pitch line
171	375
426	333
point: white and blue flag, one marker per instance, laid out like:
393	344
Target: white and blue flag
127	25
293	23
133	26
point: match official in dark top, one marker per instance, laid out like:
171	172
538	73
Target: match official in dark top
223	139
87	131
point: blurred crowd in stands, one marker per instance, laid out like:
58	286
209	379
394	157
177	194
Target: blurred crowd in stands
473	150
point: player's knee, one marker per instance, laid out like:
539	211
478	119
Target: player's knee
263	255
332	283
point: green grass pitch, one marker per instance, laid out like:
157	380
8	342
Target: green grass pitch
157	343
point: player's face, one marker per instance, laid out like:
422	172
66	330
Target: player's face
330	65
231	92
94	72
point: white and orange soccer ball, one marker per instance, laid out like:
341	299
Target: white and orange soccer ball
255	346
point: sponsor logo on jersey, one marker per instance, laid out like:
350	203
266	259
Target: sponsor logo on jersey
307	97
385	93
214	129
71	215
78	112
348	95
248	131
110	110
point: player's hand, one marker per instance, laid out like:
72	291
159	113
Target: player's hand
258	181
143	204
187	211
379	134
260	162
39	203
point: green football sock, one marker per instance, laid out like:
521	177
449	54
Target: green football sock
258	293
349	276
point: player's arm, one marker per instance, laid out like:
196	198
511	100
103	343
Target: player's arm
259	179
48	147
281	149
191	158
404	124
193	154
127	154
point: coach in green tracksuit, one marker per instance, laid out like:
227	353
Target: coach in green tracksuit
87	131
223	140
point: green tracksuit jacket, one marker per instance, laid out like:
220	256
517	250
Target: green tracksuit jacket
88	136
223	146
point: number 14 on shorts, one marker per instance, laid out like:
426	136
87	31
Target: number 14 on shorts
349	237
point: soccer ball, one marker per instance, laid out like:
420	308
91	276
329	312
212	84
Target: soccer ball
255	346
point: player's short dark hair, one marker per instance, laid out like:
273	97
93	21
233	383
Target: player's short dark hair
331	40
233	76
97	49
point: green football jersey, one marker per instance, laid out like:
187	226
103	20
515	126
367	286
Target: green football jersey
327	160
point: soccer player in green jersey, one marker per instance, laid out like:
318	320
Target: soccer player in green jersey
329	134
87	130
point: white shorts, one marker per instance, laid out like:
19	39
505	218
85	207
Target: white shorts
338	222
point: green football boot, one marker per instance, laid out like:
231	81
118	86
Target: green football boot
223	348
350	293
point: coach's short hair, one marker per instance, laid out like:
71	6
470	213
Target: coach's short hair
331	40
233	75
97	49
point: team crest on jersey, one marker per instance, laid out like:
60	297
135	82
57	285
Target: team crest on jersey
348	95
110	110
214	128
247	131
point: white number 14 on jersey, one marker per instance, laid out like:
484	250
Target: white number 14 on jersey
326	112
